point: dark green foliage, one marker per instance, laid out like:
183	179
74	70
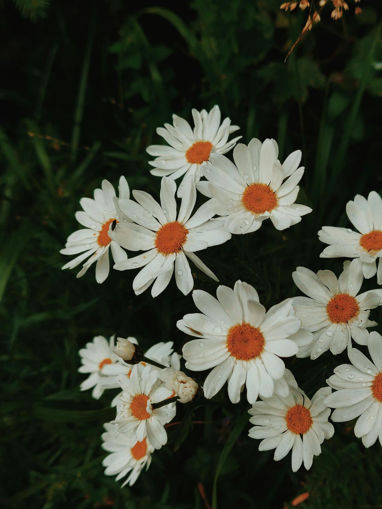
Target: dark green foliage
84	87
33	9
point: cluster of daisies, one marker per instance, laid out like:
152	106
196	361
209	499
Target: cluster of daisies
233	335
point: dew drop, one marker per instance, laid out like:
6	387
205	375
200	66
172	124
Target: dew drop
329	333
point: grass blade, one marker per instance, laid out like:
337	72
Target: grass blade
235	433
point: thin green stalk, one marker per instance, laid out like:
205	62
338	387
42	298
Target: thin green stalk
349	126
79	111
45	80
235	433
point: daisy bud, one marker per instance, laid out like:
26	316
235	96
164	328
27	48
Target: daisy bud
125	349
177	381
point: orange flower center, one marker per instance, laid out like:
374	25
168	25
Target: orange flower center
103	238
371	241
138	407
199	152
298	419
259	198
245	342
105	361
170	238
377	387
139	450
342	308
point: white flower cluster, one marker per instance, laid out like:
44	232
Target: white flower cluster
234	336
145	402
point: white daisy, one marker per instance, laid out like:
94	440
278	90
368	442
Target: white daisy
190	148
333	310
136	411
103	365
257	188
127	457
161	352
240	340
292	423
168	237
366	243
98	216
359	391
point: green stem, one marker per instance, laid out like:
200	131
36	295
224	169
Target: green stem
79	111
349	126
235	433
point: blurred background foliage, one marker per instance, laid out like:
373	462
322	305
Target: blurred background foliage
84	85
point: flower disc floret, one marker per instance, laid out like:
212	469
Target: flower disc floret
103	238
259	198
298	419
171	237
372	241
139	450
342	308
199	152
245	342
376	387
139	405
104	362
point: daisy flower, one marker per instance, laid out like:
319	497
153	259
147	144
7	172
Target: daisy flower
167	237
240	340
292	423
127	457
103	365
99	215
255	188
333	310
137	414
359	391
190	148
364	244
161	352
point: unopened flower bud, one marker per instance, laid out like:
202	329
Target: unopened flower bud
177	381
125	349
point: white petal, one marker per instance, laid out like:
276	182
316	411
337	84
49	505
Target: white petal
285	445
167	198
367	420
236	381
360	361
347	397
102	268
210	307
217	378
183	276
